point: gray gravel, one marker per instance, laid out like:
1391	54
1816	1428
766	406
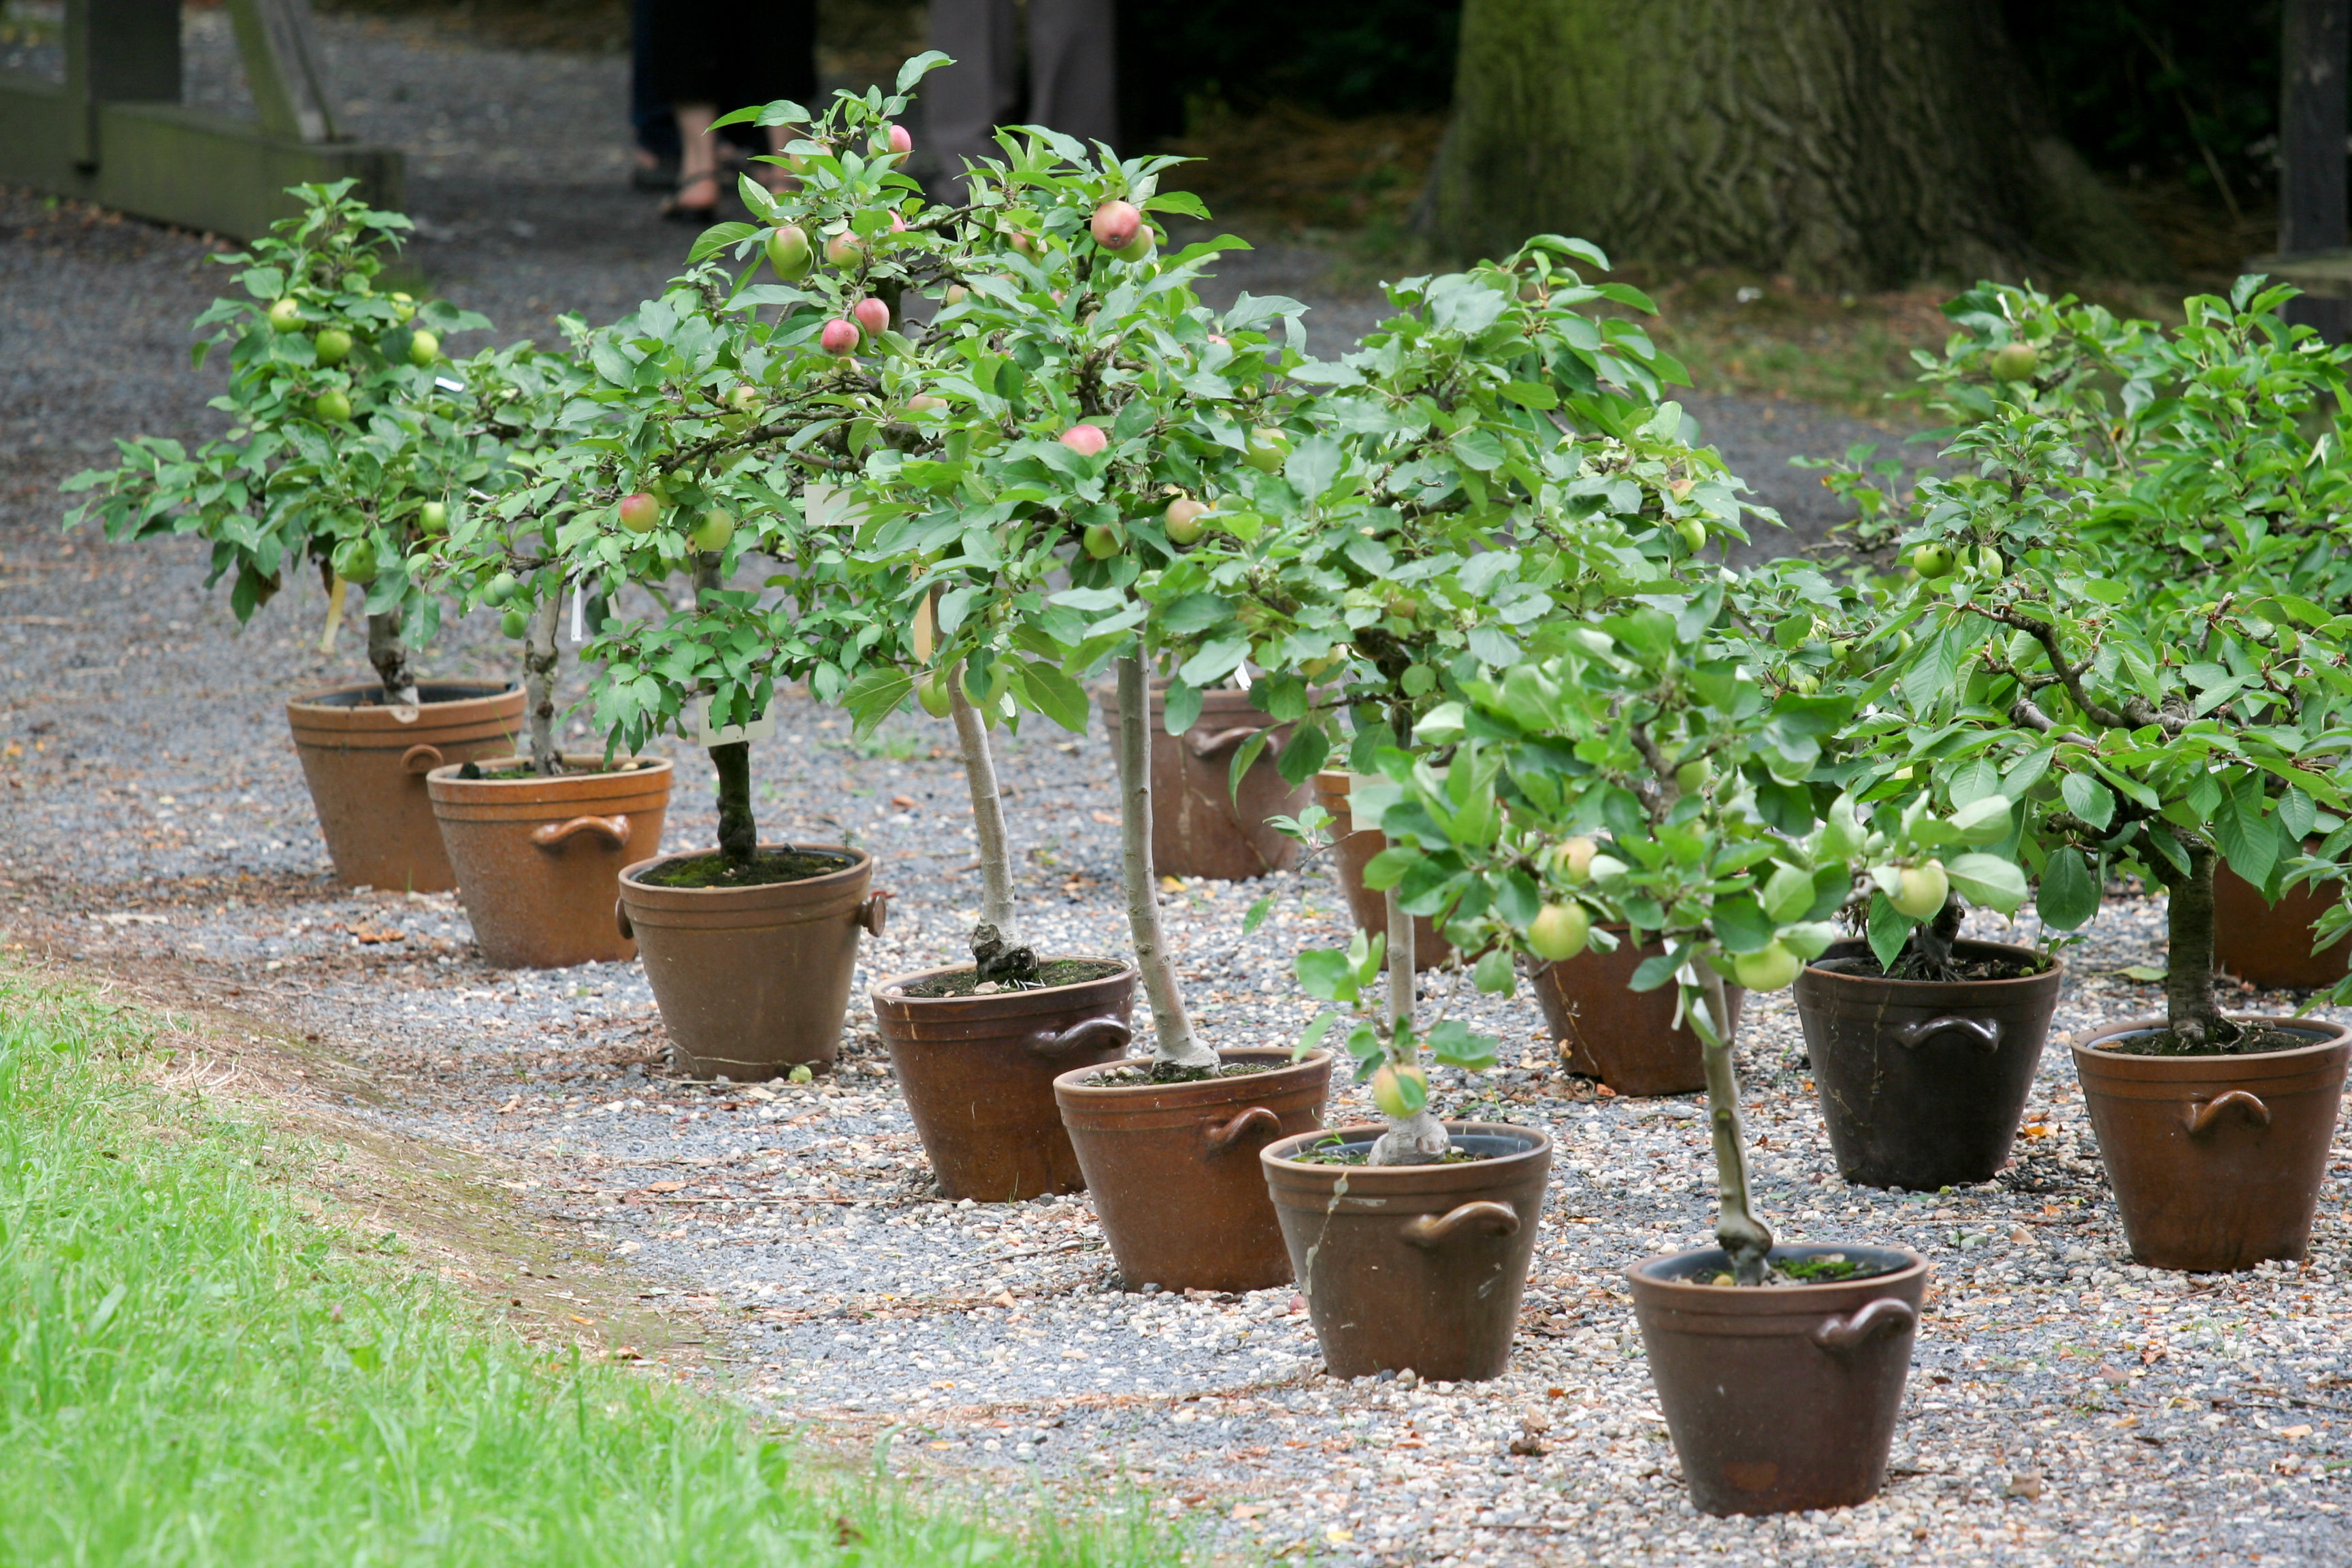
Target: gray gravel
2066	1407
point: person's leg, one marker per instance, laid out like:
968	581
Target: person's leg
1074	67
649	115
964	103
698	162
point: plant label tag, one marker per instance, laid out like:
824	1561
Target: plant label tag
579	615
759	729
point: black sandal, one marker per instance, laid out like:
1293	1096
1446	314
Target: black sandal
677	211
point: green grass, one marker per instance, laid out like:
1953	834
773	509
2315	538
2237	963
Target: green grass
195	1370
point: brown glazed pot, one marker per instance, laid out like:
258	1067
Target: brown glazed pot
539	860
1923	1082
2216	1161
1414	1265
978	1073
1173	1168
1626	1038
2270	945
1779	1397
366	766
1198	830
1356	851
753	982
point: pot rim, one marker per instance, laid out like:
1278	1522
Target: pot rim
478	691
1541	1146
863	860
2056	966
647	767
2084	1042
1766	1297
1206	1088
882	991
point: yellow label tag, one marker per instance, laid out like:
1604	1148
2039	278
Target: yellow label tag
334	616
927	627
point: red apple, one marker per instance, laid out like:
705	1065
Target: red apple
639	512
844	250
839	337
893	139
1087	440
1116	224
873	315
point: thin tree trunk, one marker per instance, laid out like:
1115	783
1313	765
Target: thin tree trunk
987	810
1852	143
389	653
2188	1002
540	658
1741	1234
1177	1044
739	835
1421	1137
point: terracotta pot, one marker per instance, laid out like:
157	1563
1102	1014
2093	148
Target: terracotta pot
1784	1396
1355	851
2216	1161
365	764
539	860
1414	1265
753	982
1198	828
1626	1038
978	1073
2270	945
1173	1168
1923	1082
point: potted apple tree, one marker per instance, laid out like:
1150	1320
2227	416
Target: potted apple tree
350	438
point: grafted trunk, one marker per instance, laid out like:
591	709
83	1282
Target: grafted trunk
2188	1002
539	656
1421	1137
1177	1044
987	810
1850	144
388	651
1736	1228
739	835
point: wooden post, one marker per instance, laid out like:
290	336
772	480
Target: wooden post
2316	50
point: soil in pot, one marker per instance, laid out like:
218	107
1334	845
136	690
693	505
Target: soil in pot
1923	1082
1198	826
1354	851
978	1070
752	980
2216	1159
1783	1397
1626	1038
1412	1266
365	762
1173	1167
538	858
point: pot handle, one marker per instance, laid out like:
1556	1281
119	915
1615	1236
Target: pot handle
2202	1119
1224	1135
1843	1333
1207	746
614	831
621	921
1983	1032
875	911
1434	1230
420	758
1087	1034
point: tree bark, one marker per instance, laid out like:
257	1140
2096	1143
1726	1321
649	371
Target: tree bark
540	658
739	835
1176	1044
1736	1228
1849	143
2188	1005
389	653
987	810
1421	1137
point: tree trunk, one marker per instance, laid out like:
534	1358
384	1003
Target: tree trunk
987	810
389	653
1736	1228
1177	1044
540	658
1850	143
2188	1002
1421	1137
739	835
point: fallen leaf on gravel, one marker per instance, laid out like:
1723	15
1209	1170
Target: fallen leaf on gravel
1248	1510
577	1319
2026	1484
667	1187
1105	816
512	1105
902	801
2296	1431
372	936
627	1352
1002	1299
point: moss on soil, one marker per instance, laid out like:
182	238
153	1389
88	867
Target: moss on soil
766	869
1052	972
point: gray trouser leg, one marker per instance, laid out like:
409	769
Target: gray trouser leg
1074	67
963	103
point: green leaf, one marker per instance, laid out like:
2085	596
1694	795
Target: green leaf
1184	708
2146	973
2069	897
1256	915
1314	1034
1788	894
1987	879
2089	799
1387	868
1056	695
1454	1043
1888	929
1494	974
1327	976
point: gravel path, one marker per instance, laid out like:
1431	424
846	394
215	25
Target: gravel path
2066	1407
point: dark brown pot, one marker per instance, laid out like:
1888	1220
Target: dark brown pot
539	860
753	982
365	764
1173	1168
2216	1161
1355	851
1783	1397
1198	828
1626	1038
1922	1082
1414	1266
978	1073
2270	945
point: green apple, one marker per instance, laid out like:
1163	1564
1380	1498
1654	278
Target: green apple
1390	1093
332	346
1559	931
931	691
433	519
499	589
2014	362
1769	969
1691	777
355	560
1101	541
1694	533
332	406
1922	891
1266	450
424	348
1932	560
515	623
1183	519
1988	562
1573	859
285	314
790	254
717	527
